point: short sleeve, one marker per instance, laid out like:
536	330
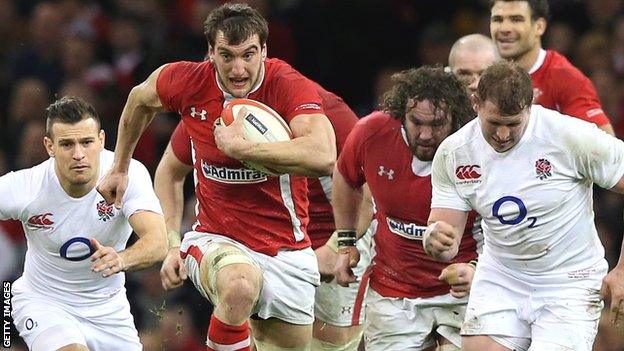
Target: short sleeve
351	160
11	186
139	194
444	192
579	98
171	84
294	94
599	156
181	144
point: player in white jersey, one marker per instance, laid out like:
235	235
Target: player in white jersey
71	296
528	171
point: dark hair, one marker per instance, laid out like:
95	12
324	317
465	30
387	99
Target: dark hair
238	22
442	89
539	8
506	85
69	110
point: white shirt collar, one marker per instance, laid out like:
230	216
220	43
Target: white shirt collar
229	96
541	56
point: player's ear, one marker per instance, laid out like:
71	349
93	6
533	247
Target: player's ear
102	137
264	52
540	26
210	54
474	101
49	145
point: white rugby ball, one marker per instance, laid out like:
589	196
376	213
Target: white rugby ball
261	124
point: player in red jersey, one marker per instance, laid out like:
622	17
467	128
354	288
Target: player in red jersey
517	27
249	253
408	306
338	310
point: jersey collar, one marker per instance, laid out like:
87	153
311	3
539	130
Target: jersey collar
541	56
420	168
228	97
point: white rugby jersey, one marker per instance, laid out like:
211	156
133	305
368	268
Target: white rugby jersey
535	199
58	228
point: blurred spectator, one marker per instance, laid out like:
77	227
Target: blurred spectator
560	37
40	56
593	52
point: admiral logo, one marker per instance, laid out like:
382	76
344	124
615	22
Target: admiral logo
256	123
105	211
41	221
232	175
468	174
405	229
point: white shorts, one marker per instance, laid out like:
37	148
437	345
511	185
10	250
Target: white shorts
289	279
102	326
340	306
411	324
559	309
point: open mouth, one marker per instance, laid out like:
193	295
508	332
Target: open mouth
239	82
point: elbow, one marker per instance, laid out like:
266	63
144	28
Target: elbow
327	162
327	167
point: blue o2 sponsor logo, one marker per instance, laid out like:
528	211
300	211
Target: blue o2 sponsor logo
512	217
77	249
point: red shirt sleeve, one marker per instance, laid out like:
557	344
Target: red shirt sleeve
579	98
350	162
181	144
172	84
292	93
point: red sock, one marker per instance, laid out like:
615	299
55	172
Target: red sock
222	336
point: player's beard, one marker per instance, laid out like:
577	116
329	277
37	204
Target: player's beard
421	152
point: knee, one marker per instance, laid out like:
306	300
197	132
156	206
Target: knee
239	293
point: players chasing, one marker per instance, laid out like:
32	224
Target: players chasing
71	296
249	253
538	286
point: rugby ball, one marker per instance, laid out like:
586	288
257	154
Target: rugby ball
261	124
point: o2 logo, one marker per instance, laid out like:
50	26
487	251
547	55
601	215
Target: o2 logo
522	211
76	244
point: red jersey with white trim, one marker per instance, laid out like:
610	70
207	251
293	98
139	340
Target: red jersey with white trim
558	85
321	223
265	213
377	153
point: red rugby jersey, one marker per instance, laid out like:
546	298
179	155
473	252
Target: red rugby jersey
265	213
377	153
558	85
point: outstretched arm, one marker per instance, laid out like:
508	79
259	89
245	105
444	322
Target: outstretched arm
143	102
169	184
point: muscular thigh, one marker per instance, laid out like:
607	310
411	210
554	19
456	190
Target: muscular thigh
276	332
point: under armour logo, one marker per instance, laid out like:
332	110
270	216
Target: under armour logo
347	309
202	114
383	171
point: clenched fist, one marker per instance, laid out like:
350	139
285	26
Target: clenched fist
441	241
